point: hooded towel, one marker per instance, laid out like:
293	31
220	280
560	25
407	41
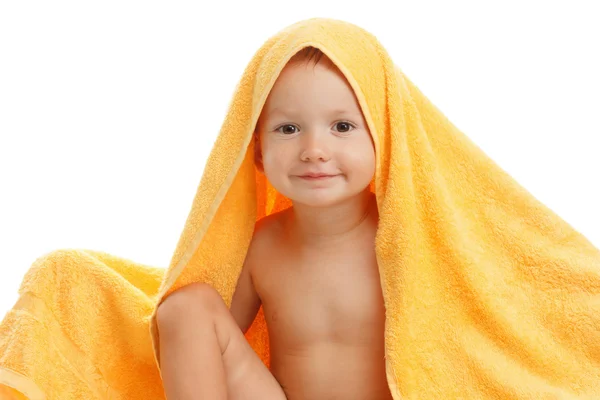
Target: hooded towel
488	293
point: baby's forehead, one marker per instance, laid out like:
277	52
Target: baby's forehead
319	87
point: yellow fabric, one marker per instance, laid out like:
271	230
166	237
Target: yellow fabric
488	293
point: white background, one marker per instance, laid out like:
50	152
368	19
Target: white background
108	109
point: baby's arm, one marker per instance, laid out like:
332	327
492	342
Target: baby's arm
245	303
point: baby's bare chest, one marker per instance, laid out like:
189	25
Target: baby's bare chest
316	297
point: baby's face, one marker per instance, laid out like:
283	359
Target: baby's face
312	124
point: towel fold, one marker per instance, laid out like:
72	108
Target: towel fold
488	293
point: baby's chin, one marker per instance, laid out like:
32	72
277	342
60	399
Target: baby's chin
316	194
322	199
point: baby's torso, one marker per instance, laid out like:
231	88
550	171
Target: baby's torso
325	316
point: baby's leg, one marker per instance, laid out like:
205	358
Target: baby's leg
204	354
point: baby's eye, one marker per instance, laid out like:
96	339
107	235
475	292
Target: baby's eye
345	125
283	126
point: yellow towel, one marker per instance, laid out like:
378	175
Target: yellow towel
488	293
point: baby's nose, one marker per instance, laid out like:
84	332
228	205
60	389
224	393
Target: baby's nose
315	151
314	154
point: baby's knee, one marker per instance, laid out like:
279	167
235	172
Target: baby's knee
195	300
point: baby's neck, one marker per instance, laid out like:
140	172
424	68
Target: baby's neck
322	226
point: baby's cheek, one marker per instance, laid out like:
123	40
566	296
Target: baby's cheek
362	162
274	165
361	172
269	162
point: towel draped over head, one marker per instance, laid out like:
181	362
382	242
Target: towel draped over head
488	293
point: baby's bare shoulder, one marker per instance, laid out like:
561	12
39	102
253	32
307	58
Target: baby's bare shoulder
267	234
269	227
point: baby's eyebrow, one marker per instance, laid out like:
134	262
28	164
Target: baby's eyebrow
289	113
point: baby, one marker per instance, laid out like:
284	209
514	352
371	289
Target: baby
312	266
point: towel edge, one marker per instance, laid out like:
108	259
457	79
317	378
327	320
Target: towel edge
21	383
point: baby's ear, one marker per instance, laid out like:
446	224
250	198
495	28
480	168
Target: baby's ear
258	153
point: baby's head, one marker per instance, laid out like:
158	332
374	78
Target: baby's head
312	123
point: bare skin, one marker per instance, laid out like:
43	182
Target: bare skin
312	267
328	345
